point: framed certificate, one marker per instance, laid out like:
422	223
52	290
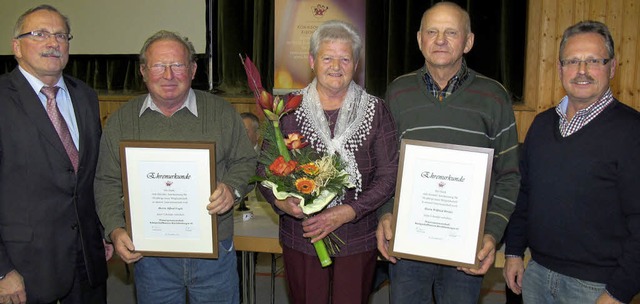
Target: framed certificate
166	190
441	202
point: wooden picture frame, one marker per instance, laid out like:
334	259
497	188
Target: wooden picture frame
441	202
166	186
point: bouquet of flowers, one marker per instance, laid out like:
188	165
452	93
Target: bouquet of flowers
292	167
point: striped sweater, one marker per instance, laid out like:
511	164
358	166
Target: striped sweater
477	114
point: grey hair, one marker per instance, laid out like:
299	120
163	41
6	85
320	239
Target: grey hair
167	35
465	15
17	29
336	30
588	26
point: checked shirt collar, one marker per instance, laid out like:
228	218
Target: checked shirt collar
582	117
454	83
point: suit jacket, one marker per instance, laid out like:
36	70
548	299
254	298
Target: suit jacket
44	206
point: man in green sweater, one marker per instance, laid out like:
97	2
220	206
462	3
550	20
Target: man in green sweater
172	111
447	102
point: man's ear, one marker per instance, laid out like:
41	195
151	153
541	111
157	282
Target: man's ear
469	43
612	72
16	48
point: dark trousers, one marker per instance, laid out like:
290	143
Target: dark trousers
348	280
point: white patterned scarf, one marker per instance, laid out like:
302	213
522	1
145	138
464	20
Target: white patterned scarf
352	127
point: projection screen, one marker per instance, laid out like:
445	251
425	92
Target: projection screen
114	26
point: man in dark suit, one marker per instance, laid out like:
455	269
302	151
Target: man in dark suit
51	246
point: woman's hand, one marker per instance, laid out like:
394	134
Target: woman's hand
290	206
320	225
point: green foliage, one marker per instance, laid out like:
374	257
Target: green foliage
331	175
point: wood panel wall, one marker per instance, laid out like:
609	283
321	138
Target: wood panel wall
547	20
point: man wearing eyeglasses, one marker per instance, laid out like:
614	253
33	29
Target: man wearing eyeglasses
172	111
578	209
51	246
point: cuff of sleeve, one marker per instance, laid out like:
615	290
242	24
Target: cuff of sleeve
495	226
5	264
109	229
4	273
268	196
385	208
511	251
237	196
238	191
357	211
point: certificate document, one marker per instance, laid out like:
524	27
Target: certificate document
167	187
169	214
440	202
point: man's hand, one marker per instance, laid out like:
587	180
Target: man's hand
108	250
12	289
124	246
384	234
320	225
513	272
487	256
290	206
221	200
605	298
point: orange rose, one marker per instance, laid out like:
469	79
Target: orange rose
294	141
309	169
305	185
280	167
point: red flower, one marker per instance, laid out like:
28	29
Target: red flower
253	75
265	100
294	141
272	107
293	102
280	167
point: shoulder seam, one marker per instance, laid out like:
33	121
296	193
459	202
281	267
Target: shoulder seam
493	80
405	75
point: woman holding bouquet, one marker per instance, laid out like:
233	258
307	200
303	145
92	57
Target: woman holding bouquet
336	116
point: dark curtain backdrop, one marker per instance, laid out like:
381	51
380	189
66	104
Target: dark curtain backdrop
246	27
392	50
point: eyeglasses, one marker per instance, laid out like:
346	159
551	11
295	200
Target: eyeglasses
44	35
590	63
160	68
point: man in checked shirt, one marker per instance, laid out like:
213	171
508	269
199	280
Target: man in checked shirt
445	101
578	209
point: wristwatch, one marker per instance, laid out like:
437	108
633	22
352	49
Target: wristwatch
236	195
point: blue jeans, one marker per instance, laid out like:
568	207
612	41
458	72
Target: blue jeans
419	282
172	280
541	285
